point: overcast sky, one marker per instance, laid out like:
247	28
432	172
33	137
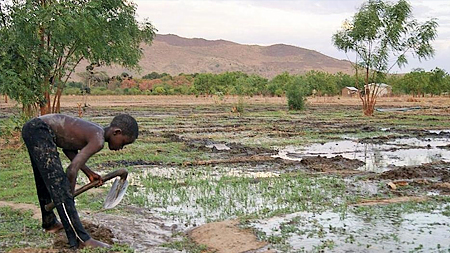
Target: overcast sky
303	23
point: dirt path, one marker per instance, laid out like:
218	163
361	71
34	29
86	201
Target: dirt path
227	237
177	100
23	207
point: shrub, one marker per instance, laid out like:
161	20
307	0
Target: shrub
71	91
159	90
132	91
295	94
240	105
279	92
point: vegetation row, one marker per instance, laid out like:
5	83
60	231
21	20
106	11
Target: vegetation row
416	83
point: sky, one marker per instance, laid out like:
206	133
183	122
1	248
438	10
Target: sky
304	23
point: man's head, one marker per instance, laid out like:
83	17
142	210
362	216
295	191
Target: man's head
124	129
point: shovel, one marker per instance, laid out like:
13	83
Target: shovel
114	196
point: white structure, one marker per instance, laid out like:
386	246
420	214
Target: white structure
382	89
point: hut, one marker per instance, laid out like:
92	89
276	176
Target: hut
349	92
382	89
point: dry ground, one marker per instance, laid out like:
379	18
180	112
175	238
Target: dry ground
72	101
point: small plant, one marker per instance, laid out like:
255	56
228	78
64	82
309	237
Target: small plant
16	225
186	244
11	128
239	107
115	248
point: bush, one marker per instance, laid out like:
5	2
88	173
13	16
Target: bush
159	90
295	94
13	125
71	91
278	92
240	105
101	91
74	85
131	91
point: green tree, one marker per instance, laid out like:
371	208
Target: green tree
395	81
204	83
437	81
256	85
277	86
416	82
380	31
324	83
151	76
42	41
343	80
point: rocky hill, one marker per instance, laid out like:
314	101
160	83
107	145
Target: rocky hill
174	55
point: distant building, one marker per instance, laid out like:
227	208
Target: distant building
349	92
382	89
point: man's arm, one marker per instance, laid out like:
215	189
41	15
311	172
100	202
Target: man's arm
88	172
78	161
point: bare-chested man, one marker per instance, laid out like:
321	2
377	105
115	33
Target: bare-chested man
79	140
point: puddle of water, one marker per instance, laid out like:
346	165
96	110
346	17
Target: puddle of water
218	146
393	232
439	131
377	157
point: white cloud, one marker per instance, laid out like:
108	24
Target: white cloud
304	23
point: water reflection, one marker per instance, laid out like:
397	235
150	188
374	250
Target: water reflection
377	157
389	231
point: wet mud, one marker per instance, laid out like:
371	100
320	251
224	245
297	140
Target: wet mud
98	232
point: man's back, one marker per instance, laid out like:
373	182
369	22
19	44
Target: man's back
74	133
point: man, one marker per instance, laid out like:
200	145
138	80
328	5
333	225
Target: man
79	140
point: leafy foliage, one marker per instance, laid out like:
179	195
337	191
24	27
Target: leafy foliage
381	30
419	82
296	93
41	42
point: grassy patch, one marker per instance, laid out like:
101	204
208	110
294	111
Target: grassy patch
186	244
205	193
16	225
115	248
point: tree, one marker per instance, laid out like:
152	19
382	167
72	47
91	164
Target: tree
437	81
204	83
343	80
42	41
416	82
380	32
277	86
152	76
324	83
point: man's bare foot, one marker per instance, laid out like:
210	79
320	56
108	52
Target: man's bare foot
93	244
55	228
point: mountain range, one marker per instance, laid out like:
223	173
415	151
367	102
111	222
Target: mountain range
173	54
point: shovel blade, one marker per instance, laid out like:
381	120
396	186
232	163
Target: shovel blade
115	195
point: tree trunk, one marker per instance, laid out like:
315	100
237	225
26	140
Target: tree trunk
57	101
29	110
369	99
45	105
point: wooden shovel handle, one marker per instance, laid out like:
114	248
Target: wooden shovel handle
122	173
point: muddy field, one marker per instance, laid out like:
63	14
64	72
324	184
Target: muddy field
326	179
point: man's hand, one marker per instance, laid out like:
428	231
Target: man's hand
72	154
94	177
